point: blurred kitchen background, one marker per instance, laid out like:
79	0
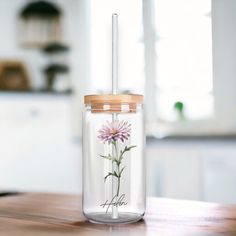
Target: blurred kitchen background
181	54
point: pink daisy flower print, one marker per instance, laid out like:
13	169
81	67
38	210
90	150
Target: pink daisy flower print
114	131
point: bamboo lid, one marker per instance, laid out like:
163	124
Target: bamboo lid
113	99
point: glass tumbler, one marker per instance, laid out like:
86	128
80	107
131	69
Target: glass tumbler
113	158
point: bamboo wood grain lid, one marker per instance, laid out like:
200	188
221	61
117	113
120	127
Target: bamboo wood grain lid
113	99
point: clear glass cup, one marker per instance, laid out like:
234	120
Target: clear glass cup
113	158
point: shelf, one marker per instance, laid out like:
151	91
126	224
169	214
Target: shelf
36	92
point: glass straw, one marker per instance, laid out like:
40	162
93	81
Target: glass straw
114	91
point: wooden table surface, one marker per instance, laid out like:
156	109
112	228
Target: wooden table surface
53	214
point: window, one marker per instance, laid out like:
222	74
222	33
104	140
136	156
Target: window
184	59
165	52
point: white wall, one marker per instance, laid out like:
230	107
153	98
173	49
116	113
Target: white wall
224	62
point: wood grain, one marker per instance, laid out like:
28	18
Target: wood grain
54	214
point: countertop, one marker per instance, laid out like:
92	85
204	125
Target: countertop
56	214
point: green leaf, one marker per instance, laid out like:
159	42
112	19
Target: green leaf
116	175
129	148
110	174
117	162
126	149
121	171
109	157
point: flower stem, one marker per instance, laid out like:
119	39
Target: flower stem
118	187
118	168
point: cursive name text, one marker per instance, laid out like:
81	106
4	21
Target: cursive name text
114	202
